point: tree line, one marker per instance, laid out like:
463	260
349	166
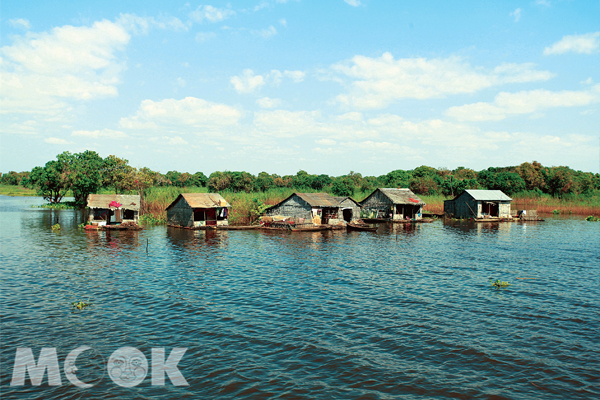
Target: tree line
87	172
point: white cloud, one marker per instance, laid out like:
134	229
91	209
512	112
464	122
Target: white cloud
248	82
19	23
584	44
68	62
288	124
172	141
104	133
179	114
265	33
282	22
326	142
267	102
588	81
211	14
204	36
376	82
351	116
543	3
142	25
526	102
353	3
181	82
516	14
297	76
53	140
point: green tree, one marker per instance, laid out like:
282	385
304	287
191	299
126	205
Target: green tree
118	174
264	181
342	186
83	173
49	181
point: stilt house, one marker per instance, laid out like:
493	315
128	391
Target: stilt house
475	203
305	208
349	208
108	209
198	209
392	203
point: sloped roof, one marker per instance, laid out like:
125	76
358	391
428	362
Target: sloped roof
313	199
341	199
401	196
128	201
318	199
202	200
488	195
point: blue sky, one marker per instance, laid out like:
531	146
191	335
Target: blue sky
282	85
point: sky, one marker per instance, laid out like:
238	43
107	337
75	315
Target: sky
327	87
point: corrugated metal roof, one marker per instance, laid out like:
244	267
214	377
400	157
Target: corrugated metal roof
318	199
340	199
202	200
401	196
488	195
128	201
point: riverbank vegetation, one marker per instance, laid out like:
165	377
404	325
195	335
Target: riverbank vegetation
532	186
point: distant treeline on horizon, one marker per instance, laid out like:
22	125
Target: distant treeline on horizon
87	172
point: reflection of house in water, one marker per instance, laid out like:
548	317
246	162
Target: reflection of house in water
349	208
191	210
107	209
307	208
475	203
393	203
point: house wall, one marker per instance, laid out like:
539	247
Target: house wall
347	203
181	214
376	202
459	207
294	207
462	206
96	215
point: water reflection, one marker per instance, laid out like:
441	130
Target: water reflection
406	311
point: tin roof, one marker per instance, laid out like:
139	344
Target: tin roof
318	199
202	200
488	195
128	201
341	199
401	196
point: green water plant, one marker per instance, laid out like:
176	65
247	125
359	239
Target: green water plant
555	212
591	218
56	227
80	305
499	284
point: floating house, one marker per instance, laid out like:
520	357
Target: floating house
307	208
349	208
112	209
395	204
196	210
475	203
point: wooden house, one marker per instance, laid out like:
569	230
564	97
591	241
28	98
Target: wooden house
392	203
306	208
198	210
349	208
475	203
110	209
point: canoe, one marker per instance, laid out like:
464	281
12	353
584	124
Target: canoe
360	227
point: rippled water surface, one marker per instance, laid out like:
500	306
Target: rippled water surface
404	312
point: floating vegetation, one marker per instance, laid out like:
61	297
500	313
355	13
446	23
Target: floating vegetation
593	219
56	227
80	305
555	212
66	205
498	284
81	225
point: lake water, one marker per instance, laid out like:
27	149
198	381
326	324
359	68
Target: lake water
405	312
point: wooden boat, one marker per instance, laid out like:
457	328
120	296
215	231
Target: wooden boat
360	227
376	220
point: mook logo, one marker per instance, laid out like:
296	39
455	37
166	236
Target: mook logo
126	366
